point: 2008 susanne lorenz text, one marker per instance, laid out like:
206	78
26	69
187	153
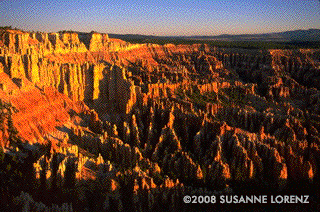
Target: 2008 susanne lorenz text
233	199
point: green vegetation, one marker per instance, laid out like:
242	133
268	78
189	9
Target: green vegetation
14	175
5	27
234	95
194	95
201	100
6	110
227	97
67	31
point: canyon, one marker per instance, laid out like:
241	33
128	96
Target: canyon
112	125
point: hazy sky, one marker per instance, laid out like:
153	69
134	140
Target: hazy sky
152	17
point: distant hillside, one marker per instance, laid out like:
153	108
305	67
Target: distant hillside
288	36
309	35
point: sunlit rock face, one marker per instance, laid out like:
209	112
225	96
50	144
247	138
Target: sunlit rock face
153	123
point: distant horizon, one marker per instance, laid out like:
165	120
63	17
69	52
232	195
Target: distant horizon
17	28
210	35
165	18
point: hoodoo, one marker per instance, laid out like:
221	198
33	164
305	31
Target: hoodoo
111	125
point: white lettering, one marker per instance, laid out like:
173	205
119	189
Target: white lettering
306	200
222	200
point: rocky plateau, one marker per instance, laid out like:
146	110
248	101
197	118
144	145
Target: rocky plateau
114	126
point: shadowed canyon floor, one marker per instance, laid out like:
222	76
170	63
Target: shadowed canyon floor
99	124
